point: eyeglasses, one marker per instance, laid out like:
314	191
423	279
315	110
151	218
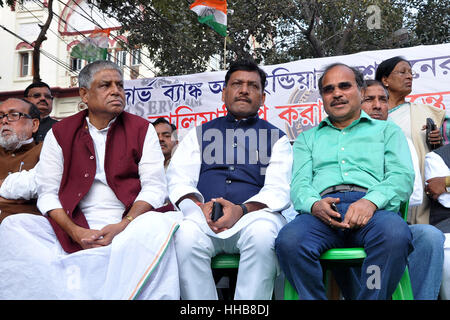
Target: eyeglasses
405	73
14	116
37	95
341	85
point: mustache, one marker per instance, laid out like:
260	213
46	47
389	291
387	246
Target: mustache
338	101
6	127
243	98
43	101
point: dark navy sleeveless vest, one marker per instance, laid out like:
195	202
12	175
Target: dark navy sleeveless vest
437	211
235	155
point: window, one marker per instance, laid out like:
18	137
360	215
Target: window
121	58
75	64
110	55
135	57
24	64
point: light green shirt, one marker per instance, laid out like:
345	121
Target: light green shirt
370	153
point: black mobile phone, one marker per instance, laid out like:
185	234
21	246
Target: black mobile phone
333	206
217	211
430	127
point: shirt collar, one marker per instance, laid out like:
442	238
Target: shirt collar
231	118
91	126
362	117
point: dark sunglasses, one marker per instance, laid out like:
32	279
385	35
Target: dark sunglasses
341	85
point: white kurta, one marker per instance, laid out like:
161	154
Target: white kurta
252	236
140	262
436	167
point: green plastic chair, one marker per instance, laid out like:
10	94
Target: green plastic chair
225	261
356	256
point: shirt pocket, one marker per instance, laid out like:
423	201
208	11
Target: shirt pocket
369	157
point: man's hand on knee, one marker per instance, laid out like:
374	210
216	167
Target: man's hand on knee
359	213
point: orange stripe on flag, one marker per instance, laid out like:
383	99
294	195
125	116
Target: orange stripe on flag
220	5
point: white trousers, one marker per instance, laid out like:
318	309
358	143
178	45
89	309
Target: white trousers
140	263
254	241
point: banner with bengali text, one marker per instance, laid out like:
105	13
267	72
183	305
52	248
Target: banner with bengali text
293	102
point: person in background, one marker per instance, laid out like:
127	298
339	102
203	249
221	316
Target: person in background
40	94
396	75
168	140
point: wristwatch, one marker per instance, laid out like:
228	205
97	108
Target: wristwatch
244	208
447	183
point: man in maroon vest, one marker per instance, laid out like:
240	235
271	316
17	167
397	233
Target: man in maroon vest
101	172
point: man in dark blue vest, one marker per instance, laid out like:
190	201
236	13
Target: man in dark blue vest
437	177
244	164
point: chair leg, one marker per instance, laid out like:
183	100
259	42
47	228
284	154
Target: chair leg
404	289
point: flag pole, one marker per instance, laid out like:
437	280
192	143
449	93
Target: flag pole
224	52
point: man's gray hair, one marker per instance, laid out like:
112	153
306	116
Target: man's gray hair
87	73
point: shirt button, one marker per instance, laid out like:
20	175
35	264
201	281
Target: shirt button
346	174
342	149
91	157
343	132
13	155
343	161
86	175
234	145
228	181
79	194
231	168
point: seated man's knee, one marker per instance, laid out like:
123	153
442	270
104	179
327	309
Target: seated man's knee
188	237
260	234
394	233
292	237
427	235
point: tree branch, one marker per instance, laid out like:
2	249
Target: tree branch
37	44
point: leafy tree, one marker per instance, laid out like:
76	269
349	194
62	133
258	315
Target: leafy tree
275	31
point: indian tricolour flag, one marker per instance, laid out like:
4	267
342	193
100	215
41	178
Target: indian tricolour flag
94	47
213	13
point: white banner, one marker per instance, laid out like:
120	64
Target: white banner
292	101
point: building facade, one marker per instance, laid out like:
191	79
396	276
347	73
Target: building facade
72	22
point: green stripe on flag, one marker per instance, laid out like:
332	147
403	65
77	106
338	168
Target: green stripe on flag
211	21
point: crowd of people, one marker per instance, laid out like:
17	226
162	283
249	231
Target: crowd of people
106	205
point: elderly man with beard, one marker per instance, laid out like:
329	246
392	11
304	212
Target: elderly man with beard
19	119
99	178
39	93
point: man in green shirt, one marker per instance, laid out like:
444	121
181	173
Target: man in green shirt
362	168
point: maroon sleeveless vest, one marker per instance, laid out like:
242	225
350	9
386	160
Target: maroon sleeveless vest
124	144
